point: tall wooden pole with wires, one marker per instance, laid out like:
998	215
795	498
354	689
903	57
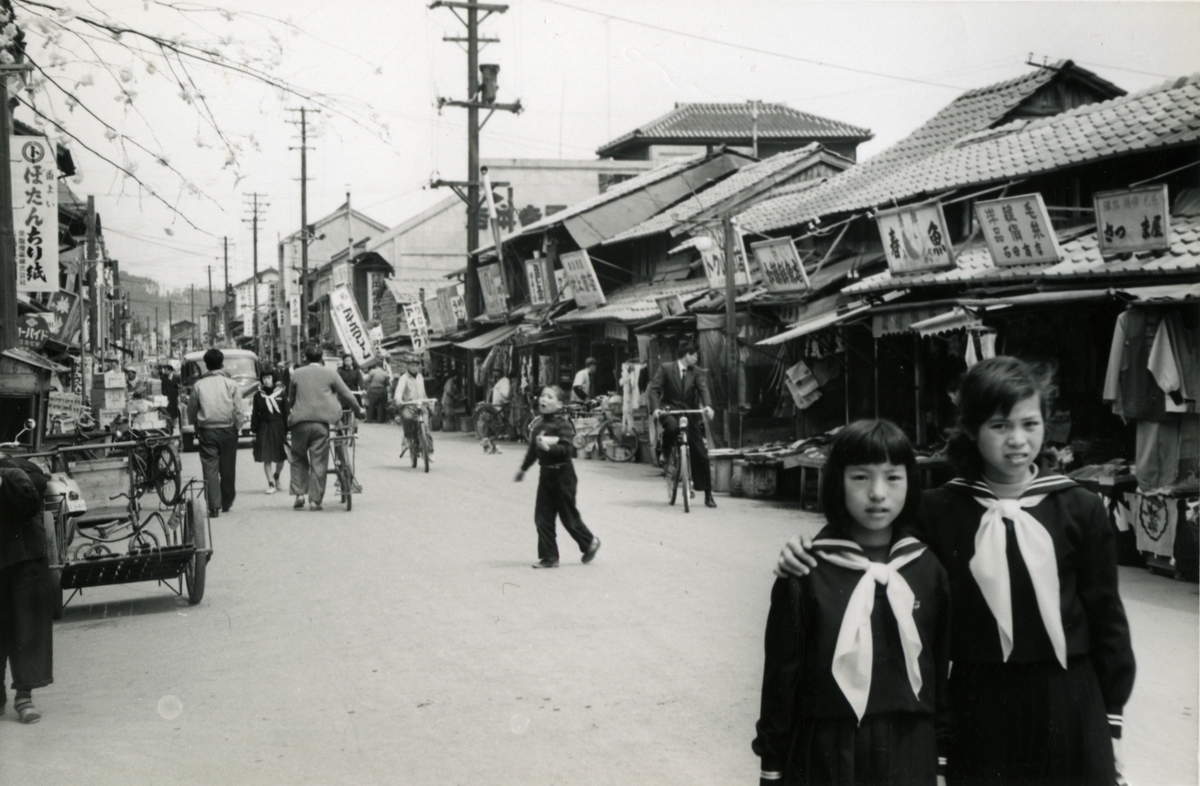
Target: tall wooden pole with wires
225	299
256	207
305	230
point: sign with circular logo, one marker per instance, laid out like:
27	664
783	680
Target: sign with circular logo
33	152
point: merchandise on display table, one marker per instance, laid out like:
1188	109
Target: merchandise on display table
1166	525
1115	483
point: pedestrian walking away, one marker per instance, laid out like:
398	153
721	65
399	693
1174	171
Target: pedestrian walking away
376	383
551	446
268	422
857	652
315	399
215	409
1043	663
681	384
26	592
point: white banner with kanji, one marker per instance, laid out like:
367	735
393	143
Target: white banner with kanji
1133	220
35	212
577	266
349	324
418	330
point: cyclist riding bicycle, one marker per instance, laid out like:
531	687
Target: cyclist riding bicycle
410	387
681	384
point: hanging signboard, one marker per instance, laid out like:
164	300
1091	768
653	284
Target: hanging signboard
1018	230
780	263
65	306
616	331
541	286
915	239
35	213
460	308
1132	220
418	331
579	273
711	245
445	297
437	321
492	285
670	305
349	325
32	331
294	310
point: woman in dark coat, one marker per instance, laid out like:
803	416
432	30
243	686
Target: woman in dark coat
26	602
268	421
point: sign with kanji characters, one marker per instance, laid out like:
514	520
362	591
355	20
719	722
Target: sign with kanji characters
446	297
915	239
1132	220
541	283
418	330
35	213
711	244
65	306
1018	231
491	283
670	305
780	265
459	307
437	320
577	267
348	322
294	310
32	331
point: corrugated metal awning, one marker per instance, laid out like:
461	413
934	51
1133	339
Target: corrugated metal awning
814	324
489	339
956	319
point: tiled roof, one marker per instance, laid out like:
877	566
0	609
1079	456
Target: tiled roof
741	180
735	121
896	172
1081	261
635	302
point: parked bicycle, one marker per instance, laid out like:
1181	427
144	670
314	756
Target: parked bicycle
420	446
494	423
679	464
154	462
593	421
342	443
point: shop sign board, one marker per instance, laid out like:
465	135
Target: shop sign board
495	299
294	310
577	267
437	320
35	212
460	308
711	244
32	331
445	297
1133	220
616	331
418	330
65	306
541	282
670	305
349	325
780	263
1018	230
915	239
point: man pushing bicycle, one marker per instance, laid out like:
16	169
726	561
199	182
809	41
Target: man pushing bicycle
681	384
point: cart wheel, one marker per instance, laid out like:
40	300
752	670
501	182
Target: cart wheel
168	471
672	475
197	567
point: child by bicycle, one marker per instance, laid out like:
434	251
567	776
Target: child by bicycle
550	445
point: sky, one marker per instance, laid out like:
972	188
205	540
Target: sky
586	71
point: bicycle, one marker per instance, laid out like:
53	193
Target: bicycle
679	470
342	442
154	463
616	442
422	446
493	423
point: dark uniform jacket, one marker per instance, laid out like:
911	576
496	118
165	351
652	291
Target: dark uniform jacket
21	534
555	425
671	389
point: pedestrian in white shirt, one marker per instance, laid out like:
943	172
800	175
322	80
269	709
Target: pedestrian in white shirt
581	387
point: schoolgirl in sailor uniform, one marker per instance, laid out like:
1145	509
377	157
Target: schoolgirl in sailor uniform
854	684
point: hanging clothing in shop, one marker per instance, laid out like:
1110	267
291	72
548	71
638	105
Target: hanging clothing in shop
1173	363
980	345
631	396
1128	383
1155	519
1165	448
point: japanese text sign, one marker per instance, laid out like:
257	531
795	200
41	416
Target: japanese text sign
711	244
349	325
460	308
1135	219
446	296
495	299
418	330
577	266
32	331
35	213
65	306
780	265
541	283
1018	231
437	320
294	310
915	239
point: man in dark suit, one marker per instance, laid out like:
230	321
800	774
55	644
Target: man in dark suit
681	384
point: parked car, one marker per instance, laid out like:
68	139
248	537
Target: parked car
241	364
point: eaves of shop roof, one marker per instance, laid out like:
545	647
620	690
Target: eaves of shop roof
1081	262
745	179
896	172
730	121
408	290
634	303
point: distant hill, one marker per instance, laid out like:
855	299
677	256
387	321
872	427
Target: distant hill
146	294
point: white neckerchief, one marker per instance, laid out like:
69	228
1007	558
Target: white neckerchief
272	400
989	566
853	657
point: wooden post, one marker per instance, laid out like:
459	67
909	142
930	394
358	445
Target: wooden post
8	249
731	329
920	428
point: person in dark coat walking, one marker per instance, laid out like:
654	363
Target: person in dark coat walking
681	384
268	421
350	374
26	602
551	446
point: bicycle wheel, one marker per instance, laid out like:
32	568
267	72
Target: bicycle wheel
167	472
685	478
672	475
618	445
414	448
426	445
347	483
483	425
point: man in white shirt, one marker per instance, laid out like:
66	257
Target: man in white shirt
581	387
410	387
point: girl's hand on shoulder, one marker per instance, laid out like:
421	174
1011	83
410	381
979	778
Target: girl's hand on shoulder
795	558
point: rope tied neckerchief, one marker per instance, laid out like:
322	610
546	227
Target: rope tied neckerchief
853	656
272	400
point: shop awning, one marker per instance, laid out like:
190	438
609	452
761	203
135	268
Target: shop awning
31	358
489	339
813	324
957	319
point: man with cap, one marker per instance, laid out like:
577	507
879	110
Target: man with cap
581	388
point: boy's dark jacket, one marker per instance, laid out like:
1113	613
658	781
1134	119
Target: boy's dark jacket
556	425
802	631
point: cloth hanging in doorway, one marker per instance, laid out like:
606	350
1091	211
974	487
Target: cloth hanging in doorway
980	345
631	397
1128	383
1173	363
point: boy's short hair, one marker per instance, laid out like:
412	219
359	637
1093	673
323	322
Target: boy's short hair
590	362
688	347
214	359
868	442
558	392
313	354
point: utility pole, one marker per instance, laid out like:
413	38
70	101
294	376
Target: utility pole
212	338
225	299
8	246
170	332
731	270
476	100
192	332
305	230
255	214
93	290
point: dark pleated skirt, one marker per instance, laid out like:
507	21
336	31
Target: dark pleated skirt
1033	724
269	442
897	749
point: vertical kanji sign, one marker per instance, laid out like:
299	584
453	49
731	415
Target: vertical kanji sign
1133	220
580	274
915	239
1018	231
418	329
35	213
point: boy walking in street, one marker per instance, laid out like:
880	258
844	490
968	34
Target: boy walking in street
214	408
550	445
